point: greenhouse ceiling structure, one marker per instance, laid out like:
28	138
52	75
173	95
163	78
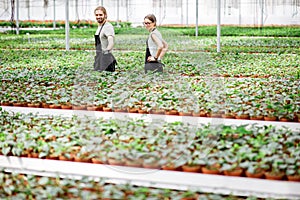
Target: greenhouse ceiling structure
197	12
238	12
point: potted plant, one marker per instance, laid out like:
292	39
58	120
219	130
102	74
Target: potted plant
277	167
199	107
151	160
133	158
255	111
83	155
293	169
54	104
231	164
132	105
286	112
115	156
172	159
212	165
65	102
228	111
270	111
156	105
193	163
254	169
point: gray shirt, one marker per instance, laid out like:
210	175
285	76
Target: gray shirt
151	44
107	30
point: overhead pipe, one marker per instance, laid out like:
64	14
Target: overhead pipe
67	27
54	15
219	26
196	18
17	18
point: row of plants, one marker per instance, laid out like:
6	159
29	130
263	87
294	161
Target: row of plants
267	31
83	39
22	186
191	64
134	91
252	150
58	23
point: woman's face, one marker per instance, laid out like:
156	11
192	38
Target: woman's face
148	24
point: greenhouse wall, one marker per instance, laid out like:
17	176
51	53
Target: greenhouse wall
183	12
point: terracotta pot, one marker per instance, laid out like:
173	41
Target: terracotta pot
81	159
120	110
151	165
143	111
55	106
191	168
228	116
257	117
6	104
66	107
206	170
91	108
18	104
45	105
195	114
285	119
33	105
132	110
33	155
99	108
24	154
274	176
243	116
171	167
133	163
79	107
113	161
107	109
295	178
64	158
258	174
216	115
98	161
171	112
269	118
52	157
157	112
254	76
185	113
200	114
189	198
234	172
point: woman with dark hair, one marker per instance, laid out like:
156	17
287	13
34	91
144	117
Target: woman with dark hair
156	45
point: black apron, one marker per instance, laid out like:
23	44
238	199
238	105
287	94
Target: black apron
153	66
103	62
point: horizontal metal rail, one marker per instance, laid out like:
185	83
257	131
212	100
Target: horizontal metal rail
226	185
239	186
150	117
